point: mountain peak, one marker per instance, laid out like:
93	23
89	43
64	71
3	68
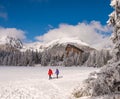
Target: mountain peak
63	42
11	41
66	41
40	46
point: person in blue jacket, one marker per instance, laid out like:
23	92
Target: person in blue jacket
57	73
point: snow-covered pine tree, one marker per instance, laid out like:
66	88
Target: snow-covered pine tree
114	21
107	81
45	59
98	58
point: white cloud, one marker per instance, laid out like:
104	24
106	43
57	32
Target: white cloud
12	32
92	33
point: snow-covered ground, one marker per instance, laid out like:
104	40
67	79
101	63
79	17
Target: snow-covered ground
33	82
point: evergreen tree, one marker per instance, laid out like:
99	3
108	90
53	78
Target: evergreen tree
114	21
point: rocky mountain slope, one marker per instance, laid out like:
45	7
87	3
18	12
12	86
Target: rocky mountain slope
10	44
39	46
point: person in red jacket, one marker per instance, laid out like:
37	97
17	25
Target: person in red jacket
50	72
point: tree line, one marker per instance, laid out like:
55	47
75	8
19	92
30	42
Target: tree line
46	58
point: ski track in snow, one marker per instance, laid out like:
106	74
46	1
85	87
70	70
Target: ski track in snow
33	83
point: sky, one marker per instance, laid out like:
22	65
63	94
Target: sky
45	20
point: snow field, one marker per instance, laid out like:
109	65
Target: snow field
33	83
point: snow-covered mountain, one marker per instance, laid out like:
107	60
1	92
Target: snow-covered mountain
35	46
65	41
39	46
56	46
51	53
55	52
10	43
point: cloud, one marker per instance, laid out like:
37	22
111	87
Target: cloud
92	33
12	32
